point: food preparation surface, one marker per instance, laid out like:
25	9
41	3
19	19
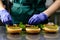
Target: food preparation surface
25	36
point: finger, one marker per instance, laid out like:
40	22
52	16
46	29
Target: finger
9	17
30	20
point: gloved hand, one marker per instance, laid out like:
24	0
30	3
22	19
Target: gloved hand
5	17
38	18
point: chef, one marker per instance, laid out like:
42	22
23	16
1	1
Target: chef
27	11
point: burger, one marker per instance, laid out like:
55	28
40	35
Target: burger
50	27
32	29
13	29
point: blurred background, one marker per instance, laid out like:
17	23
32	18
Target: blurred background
55	18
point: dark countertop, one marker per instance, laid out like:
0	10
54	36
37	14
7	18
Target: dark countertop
41	36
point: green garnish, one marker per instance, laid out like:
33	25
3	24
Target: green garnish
21	25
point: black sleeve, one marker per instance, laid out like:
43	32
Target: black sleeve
7	3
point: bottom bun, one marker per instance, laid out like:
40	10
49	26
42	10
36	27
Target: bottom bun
10	30
50	30
28	30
